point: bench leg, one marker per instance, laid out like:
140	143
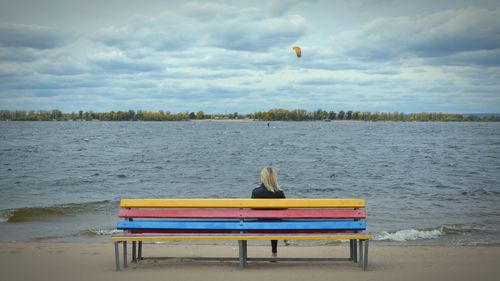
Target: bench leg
355	250
351	256
361	258
134	251
124	254
117	256
365	258
139	254
243	252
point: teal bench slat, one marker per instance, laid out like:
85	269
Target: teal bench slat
242	225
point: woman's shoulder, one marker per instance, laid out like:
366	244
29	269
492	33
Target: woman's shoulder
262	192
281	194
258	190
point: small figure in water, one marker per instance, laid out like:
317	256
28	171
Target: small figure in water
268	124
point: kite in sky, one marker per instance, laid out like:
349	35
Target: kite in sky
297	50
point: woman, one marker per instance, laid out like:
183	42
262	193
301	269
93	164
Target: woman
269	188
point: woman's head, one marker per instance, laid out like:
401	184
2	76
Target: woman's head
269	178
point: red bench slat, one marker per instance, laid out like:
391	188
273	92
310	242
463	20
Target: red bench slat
245	214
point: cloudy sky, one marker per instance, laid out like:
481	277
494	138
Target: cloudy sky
227	56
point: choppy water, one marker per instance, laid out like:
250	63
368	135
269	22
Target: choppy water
423	182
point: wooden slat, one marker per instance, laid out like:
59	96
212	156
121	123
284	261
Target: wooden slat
210	232
244	214
242	203
244	225
241	237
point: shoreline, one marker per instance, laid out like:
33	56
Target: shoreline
95	261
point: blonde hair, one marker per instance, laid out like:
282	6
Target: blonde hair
269	178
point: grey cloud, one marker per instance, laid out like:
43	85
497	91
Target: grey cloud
203	73
62	67
47	82
487	58
155	36
435	35
224	92
17	55
221	59
234	29
219	55
32	36
206	11
261	35
321	82
280	7
119	64
336	81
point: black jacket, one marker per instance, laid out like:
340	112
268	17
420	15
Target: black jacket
262	192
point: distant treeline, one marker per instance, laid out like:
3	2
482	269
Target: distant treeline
304	115
270	115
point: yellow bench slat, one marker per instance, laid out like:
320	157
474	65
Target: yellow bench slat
242	203
242	237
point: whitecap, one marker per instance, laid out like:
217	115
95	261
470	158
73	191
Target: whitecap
5	215
408	235
98	231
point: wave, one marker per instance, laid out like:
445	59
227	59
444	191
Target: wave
99	232
4	216
426	233
408	235
28	214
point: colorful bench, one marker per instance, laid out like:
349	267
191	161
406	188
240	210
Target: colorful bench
242	220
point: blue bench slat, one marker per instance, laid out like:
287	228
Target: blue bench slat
245	225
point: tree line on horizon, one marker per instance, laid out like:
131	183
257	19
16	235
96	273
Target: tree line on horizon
277	114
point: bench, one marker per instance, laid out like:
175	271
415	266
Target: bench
242	220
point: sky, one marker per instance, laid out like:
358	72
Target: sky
236	56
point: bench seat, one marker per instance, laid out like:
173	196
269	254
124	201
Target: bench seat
265	236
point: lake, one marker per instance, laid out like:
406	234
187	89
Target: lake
424	183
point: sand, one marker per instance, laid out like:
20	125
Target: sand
66	261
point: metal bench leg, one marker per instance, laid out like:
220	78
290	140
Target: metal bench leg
242	250
365	258
134	251
139	254
124	254
361	258
355	250
117	256
245	252
351	255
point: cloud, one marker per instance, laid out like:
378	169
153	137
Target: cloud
219	55
261	35
488	58
153	35
207	25
280	7
61	64
207	11
353	81
17	55
62	68
429	36
118	62
32	36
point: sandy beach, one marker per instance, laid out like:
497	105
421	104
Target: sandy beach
66	261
